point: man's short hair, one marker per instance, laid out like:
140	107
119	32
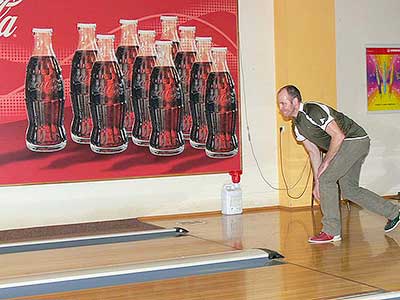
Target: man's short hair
292	91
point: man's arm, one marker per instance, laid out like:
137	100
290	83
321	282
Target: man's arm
316	160
337	137
315	156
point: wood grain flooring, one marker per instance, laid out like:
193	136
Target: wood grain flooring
366	260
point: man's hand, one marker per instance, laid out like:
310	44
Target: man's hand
322	167
315	191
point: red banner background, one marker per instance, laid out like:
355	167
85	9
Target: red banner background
18	165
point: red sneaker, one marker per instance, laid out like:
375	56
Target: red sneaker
324	237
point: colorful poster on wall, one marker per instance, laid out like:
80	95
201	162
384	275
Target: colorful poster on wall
97	121
383	79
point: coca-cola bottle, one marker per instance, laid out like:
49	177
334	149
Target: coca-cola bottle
142	69
184	61
169	32
198	80
44	96
166	100
107	101
126	54
82	64
221	108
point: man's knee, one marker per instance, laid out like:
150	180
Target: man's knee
349	192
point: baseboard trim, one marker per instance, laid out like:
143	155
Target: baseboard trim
299	208
392	197
218	213
203	214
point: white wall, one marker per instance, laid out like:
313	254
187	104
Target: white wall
39	205
359	23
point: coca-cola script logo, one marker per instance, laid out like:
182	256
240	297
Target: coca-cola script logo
7	21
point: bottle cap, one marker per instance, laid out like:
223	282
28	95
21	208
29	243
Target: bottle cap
86	25
219	49
169	18
203	39
127	22
187	28
148	32
163	43
105	37
42	30
236	175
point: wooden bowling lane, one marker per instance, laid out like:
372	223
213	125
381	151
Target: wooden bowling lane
365	255
276	282
248	230
80	258
366	260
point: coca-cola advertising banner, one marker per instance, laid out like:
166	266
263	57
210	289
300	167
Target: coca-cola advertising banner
98	90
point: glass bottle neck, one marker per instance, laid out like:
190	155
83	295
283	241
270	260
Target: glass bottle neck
87	39
203	52
169	31
164	57
187	42
219	62
43	45
129	35
146	47
106	50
